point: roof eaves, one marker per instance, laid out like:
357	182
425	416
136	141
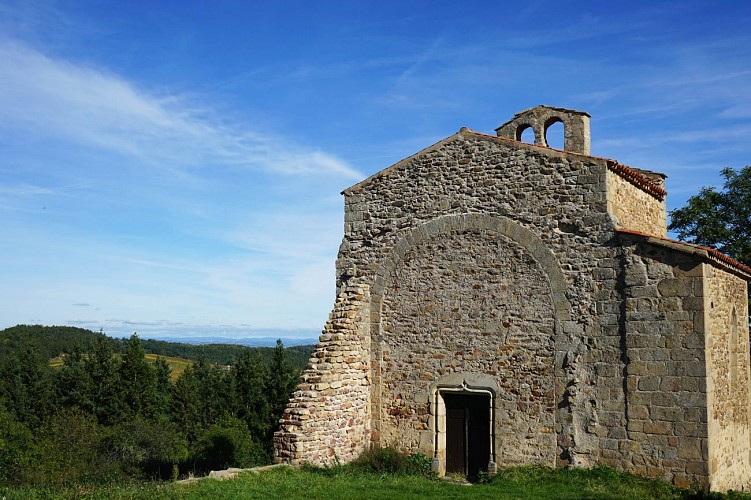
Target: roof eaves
705	253
637	179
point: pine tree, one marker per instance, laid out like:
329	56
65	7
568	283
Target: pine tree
251	393
27	389
138	391
102	366
281	384
186	404
164	387
74	387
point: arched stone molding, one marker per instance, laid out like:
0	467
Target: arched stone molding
481	222
490	225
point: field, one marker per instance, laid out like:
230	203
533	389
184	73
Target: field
177	365
346	483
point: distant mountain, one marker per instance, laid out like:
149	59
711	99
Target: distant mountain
248	341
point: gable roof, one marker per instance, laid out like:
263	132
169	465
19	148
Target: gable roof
706	254
634	176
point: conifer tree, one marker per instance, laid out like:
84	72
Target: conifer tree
138	393
73	383
102	366
251	388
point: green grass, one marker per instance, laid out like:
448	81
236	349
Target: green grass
346	483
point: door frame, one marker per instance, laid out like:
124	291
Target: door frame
466	384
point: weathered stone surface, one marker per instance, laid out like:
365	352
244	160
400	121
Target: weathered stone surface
541	281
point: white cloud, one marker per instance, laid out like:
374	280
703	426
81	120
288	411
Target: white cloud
90	106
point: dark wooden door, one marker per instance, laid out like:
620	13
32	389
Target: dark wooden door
456	438
467	433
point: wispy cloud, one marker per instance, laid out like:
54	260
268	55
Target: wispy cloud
93	107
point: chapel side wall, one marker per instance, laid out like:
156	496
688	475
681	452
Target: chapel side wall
328	417
663	332
559	197
634	208
727	371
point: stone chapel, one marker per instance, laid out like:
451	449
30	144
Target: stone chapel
504	303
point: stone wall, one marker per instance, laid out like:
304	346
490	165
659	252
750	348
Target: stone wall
557	198
328	417
727	345
635	208
665	377
470	302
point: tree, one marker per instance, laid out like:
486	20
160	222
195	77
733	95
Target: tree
251	393
105	398
25	386
138	385
18	450
186	404
282	383
719	219
74	386
164	387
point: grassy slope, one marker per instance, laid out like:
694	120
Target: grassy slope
288	483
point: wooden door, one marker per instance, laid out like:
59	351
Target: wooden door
467	433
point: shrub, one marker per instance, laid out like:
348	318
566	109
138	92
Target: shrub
225	444
71	451
17	450
148	448
389	460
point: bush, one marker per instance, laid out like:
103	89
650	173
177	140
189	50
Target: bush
17	450
71	452
148	448
389	460
226	444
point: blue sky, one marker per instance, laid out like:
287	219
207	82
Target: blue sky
174	167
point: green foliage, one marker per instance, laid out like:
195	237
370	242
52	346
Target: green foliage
228	443
186	404
25	385
70	451
137	387
50	341
282	381
162	376
107	414
251	380
389	460
147	448
18	453
224	354
720	219
54	341
101	365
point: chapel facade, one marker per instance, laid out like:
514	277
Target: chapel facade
503	303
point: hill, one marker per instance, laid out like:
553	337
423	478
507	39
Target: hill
54	341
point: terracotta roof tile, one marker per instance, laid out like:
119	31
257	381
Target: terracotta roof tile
637	179
711	252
